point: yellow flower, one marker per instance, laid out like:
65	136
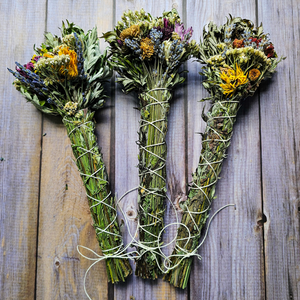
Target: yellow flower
233	79
48	55
72	65
254	74
132	31
147	47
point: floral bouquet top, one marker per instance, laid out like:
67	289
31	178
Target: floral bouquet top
161	44
237	57
65	73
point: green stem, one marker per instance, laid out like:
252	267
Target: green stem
216	140
152	172
102	206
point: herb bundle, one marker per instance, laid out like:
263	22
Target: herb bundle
147	53
236	59
65	77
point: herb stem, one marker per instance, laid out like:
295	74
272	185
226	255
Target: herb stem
216	140
93	172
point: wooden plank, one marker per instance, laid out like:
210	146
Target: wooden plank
65	220
232	265
126	161
20	136
280	152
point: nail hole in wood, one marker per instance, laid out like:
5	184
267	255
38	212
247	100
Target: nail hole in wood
262	221
264	218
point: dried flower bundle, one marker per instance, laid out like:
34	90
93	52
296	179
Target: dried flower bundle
65	77
236	59
147	53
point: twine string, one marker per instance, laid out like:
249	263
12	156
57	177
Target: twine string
201	189
152	246
156	246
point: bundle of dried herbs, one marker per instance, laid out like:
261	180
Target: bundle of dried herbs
65	77
236	59
147	53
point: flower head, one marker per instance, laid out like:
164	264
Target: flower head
184	35
72	65
233	79
256	41
29	66
48	55
254	74
132	31
269	51
147	46
70	108
167	30
238	43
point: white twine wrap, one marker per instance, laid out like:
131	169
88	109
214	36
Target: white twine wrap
121	251
144	246
195	186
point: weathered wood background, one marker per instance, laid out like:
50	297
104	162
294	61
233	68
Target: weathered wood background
252	252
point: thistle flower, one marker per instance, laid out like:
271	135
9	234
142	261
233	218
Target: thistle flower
167	29
184	35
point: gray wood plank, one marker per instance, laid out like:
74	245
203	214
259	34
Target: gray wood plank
20	136
127	118
65	220
232	264
280	152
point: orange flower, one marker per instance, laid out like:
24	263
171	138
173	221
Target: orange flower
147	47
72	66
254	74
238	43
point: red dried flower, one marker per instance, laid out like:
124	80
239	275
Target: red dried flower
269	51
255	40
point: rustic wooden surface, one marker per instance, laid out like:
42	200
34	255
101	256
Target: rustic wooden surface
252	251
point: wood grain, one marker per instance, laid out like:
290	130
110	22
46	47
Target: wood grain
260	175
232	265
20	136
65	220
280	152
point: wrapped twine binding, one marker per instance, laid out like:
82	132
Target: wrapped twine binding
102	205
216	139
152	173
